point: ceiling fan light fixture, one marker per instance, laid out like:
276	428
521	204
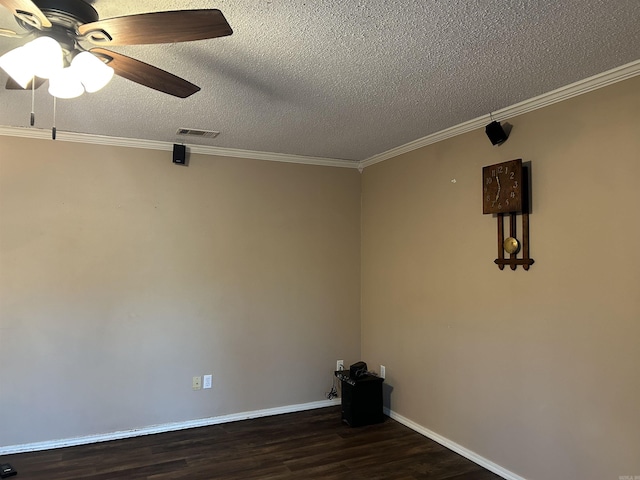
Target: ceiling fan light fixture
65	84
45	54
92	72
15	63
41	57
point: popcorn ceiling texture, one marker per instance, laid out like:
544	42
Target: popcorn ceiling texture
345	80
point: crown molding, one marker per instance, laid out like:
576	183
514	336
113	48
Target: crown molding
578	88
273	157
62	136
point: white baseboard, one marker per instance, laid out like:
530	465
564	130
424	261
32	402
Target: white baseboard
166	427
234	417
465	452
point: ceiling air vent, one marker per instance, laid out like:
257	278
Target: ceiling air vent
193	132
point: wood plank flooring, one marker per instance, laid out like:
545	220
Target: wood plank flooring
306	445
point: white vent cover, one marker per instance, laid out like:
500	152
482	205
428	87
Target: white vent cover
194	132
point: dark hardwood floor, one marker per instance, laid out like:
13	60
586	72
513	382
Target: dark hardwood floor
306	445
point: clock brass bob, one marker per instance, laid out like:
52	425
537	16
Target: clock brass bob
511	245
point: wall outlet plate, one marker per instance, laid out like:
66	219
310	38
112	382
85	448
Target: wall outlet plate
197	383
383	371
206	382
340	365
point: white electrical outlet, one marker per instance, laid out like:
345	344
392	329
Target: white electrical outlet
197	383
340	365
383	372
206	383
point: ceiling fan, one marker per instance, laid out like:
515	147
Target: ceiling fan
73	22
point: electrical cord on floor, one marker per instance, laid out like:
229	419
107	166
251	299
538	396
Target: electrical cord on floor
333	393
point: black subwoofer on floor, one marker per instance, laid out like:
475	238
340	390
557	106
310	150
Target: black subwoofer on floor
361	399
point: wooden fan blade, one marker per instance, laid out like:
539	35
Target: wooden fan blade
146	74
27	11
157	27
13	85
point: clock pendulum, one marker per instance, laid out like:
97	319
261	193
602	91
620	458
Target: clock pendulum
504	191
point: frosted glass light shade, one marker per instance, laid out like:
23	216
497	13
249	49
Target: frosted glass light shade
45	55
92	72
18	66
41	57
65	84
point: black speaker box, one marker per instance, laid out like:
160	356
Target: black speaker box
179	154
496	133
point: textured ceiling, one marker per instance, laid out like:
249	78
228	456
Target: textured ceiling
344	79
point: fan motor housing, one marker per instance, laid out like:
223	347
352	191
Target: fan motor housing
66	13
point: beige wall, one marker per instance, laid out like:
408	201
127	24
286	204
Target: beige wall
537	371
123	275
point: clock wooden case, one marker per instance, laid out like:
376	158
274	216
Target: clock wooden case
503	187
504	191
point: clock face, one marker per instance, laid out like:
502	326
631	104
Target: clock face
502	188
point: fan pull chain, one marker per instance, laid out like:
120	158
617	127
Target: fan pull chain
33	102
53	129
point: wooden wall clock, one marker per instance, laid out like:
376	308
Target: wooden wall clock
504	191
